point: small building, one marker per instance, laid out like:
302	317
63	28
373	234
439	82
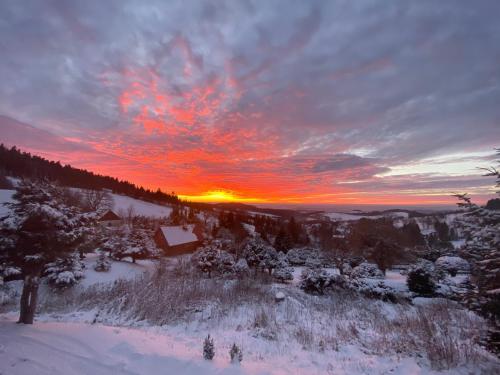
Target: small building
110	219
178	239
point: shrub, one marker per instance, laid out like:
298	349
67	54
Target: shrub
367	270
452	265
208	348
316	281
421	282
236	354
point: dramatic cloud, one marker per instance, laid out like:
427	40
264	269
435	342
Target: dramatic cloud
320	101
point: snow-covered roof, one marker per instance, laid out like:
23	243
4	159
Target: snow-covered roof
178	235
109	215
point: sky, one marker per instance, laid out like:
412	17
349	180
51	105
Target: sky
343	102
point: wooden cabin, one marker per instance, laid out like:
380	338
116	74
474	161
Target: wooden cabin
110	219
178	239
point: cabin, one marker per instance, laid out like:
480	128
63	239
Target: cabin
178	239
110	219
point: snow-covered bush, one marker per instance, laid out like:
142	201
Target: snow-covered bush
212	259
241	266
283	272
236	354
422	278
225	263
260	255
299	256
452	264
316	281
369	270
205	259
208	348
64	272
102	264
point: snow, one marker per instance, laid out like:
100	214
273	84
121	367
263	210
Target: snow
119	270
5	197
122	203
396	281
70	348
177	235
340	216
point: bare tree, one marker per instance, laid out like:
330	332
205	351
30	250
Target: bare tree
95	200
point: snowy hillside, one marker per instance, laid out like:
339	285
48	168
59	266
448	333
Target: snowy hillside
122	203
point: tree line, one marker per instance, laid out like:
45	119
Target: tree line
16	163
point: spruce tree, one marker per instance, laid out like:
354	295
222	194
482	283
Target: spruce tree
39	229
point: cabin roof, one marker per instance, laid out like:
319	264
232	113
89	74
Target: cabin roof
109	215
178	235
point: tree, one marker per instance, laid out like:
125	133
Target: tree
102	264
97	200
39	229
260	255
283	241
421	281
385	254
206	258
236	354
208	348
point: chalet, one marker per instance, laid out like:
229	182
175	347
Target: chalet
110	219
179	239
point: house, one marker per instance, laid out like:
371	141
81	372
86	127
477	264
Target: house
179	239
110	219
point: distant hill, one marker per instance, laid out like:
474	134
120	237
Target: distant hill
16	163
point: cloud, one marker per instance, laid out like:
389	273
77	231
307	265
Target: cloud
244	95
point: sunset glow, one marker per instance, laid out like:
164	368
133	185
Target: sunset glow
246	105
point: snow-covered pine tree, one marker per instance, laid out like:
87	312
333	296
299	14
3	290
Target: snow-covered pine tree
39	229
481	227
102	264
64	272
236	354
205	259
283	272
260	255
208	348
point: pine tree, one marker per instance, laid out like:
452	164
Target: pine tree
39	229
236	354
208	348
481	227
102	264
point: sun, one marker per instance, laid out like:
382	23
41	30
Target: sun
218	196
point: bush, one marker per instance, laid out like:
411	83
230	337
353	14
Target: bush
316	281
421	282
367	270
208	348
236	354
452	265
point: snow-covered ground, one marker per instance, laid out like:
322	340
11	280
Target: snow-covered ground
119	270
70	348
5	197
122	203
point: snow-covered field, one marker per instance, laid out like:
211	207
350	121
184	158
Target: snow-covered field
119	270
122	203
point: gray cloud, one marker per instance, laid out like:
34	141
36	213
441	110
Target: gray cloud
372	85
